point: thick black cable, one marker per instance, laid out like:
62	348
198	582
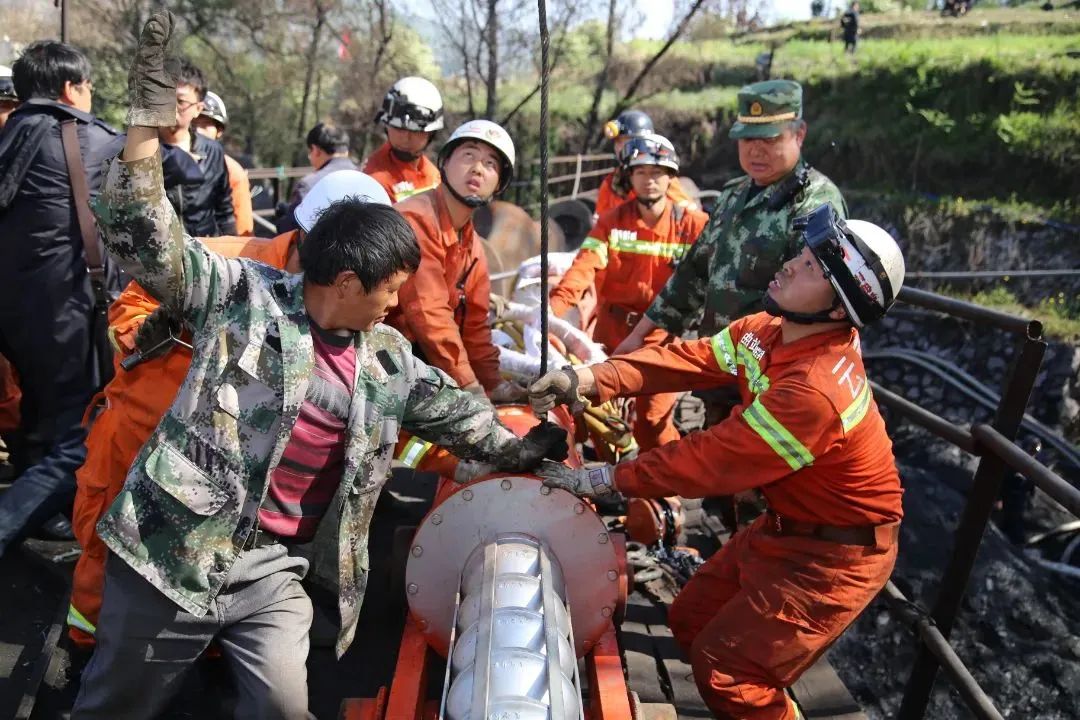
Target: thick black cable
544	44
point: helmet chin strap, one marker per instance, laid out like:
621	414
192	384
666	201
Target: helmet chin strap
404	155
472	201
773	308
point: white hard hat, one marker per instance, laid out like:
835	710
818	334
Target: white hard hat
864	263
214	108
649	149
413	103
336	186
488	132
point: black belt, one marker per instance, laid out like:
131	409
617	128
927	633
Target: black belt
865	535
261	538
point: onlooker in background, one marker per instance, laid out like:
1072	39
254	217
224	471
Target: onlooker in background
211	123
328	151
8	99
849	22
206	207
48	302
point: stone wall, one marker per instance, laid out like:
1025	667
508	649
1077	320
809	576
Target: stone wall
985	353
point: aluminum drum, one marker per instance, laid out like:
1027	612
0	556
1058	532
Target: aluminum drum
512	674
513	628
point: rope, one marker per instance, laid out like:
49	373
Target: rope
544	44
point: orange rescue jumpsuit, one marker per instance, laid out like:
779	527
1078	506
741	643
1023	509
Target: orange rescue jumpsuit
401	179
808	433
630	262
241	197
134	401
607	199
444	305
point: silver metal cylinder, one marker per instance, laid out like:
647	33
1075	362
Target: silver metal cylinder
512	653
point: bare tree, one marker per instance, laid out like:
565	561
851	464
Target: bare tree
601	77
629	96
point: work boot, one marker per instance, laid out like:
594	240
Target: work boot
56	528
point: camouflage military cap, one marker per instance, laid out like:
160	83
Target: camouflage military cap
765	108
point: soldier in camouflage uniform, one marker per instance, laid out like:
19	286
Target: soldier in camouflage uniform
190	558
749	235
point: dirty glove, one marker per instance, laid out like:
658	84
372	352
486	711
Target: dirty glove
468	470
546	440
508	391
476	389
156	336
595	481
151	85
558	387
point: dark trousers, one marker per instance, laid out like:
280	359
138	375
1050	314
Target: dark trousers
58	373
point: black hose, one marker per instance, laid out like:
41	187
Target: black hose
544	43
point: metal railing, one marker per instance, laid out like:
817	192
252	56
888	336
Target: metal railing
585	176
994	445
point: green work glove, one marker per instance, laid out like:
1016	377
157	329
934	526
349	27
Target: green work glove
151	85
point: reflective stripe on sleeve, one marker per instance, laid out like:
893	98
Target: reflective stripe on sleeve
724	350
78	621
777	436
597	246
856	411
413	452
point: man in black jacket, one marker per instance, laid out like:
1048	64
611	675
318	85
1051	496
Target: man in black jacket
328	151
46	301
206	206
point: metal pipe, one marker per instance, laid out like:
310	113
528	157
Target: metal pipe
935	423
1031	329
985	489
966	685
513	656
1045	479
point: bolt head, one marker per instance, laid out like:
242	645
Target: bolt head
417	551
506	484
579	508
466	495
602	538
612	575
436	519
412	588
606	612
545	490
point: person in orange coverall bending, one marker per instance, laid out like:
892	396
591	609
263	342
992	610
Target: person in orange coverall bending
628	256
133	402
807	433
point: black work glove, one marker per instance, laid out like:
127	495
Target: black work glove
156	336
152	80
546	440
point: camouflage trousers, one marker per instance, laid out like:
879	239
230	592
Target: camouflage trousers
145	642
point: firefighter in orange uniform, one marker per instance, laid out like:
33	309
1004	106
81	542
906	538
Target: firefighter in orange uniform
443	307
412	112
613	189
131	405
629	255
808	434
211	123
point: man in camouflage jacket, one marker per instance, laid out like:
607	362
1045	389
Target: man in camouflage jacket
749	235
186	520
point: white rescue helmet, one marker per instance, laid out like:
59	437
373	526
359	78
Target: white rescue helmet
649	149
490	133
863	262
412	103
337	186
214	108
